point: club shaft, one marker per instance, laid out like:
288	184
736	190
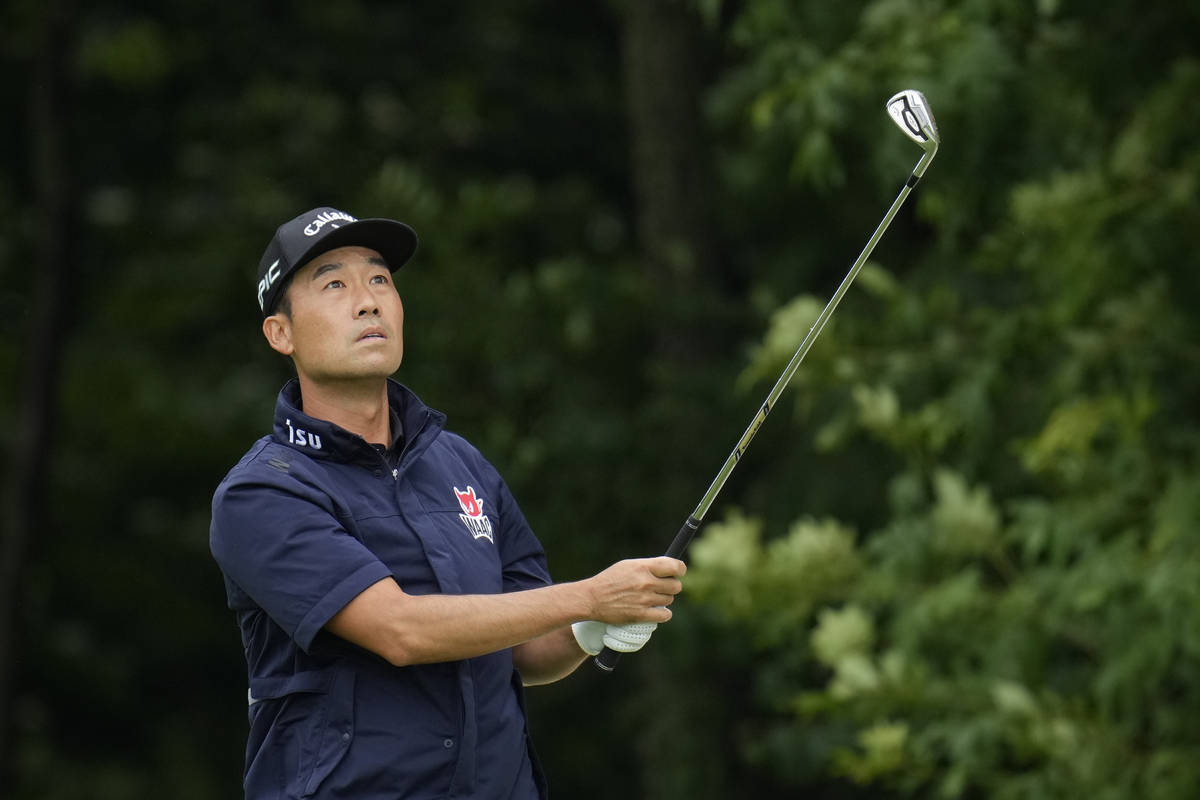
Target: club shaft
718	483
607	658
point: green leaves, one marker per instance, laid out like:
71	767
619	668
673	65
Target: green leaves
966	523
1017	391
841	634
773	586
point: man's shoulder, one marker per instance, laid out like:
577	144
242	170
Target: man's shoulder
268	462
451	446
449	440
268	478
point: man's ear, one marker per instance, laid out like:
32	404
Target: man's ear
278	330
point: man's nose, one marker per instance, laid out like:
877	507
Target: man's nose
367	306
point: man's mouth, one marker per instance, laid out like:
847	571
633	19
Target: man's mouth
372	333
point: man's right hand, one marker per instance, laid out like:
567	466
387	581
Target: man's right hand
636	590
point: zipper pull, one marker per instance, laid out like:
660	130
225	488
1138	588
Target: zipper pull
395	474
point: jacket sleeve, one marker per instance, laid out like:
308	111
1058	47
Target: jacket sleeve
283	547
521	554
522	559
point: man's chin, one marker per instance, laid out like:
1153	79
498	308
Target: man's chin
359	373
377	365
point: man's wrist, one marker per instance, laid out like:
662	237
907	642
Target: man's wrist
581	600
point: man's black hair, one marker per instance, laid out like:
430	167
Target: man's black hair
283	305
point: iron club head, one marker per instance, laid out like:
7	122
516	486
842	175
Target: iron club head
910	110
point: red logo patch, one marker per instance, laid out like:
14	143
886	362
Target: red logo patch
472	516
472	506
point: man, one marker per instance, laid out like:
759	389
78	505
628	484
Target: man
391	597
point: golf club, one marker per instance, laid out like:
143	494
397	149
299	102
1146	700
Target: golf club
910	110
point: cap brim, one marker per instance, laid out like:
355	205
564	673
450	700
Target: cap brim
393	240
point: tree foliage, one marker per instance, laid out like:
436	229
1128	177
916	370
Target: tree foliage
1011	615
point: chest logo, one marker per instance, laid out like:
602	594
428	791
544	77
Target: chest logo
478	524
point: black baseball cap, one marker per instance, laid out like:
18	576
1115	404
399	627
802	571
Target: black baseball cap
320	230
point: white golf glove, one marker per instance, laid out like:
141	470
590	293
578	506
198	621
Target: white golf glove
593	636
628	638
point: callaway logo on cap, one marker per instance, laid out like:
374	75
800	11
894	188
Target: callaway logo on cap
318	231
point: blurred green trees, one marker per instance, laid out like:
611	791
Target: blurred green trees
959	559
1005	604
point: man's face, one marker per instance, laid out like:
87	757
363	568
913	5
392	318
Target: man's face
347	321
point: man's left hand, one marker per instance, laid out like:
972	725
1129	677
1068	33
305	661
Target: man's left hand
592	636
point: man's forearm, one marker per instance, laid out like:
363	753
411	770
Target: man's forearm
548	658
421	629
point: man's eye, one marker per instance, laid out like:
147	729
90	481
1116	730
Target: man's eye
334	285
380	279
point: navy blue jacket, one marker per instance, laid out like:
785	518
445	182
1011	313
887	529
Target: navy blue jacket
311	516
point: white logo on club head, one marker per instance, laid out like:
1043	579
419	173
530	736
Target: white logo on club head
910	110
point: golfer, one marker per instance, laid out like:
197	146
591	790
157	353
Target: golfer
391	597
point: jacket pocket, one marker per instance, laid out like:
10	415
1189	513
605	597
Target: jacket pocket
314	728
328	735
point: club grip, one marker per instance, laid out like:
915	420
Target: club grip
607	659
679	544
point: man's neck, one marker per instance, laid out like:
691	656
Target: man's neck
360	408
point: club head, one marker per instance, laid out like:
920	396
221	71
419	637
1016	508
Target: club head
910	110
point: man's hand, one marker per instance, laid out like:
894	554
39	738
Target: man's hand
636	590
629	599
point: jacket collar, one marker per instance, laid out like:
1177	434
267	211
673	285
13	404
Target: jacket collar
318	438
